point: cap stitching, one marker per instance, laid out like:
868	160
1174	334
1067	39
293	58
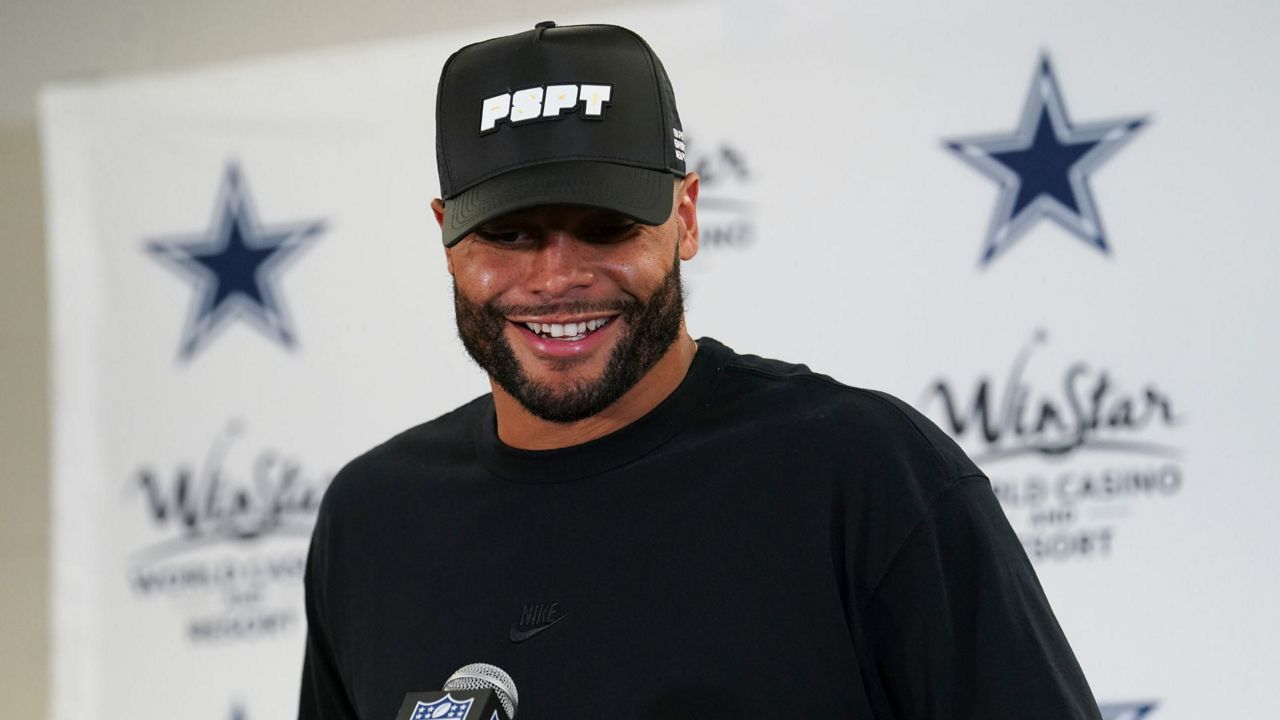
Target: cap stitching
444	146
625	161
647	52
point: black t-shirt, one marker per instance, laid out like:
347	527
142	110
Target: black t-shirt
765	543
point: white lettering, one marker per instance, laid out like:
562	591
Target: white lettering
526	104
494	109
595	96
559	97
550	102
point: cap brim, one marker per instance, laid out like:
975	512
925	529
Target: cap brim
643	195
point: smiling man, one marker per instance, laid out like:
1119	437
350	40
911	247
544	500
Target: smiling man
576	313
635	524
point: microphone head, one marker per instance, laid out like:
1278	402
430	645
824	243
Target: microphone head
483	676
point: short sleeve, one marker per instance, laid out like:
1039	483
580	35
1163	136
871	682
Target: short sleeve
959	626
323	695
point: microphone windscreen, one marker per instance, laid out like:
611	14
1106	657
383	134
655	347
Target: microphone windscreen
483	676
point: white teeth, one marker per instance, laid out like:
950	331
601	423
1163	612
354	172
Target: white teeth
567	330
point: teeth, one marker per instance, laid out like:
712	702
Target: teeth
570	330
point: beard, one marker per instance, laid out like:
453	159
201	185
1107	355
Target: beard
650	327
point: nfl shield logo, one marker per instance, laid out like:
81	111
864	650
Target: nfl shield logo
445	707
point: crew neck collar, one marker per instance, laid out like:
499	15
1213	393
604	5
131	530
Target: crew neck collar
614	450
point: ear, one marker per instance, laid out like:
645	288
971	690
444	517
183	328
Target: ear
437	207
686	212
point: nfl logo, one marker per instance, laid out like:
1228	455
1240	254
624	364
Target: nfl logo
445	707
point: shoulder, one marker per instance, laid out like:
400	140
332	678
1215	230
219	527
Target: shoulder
419	452
871	462
873	427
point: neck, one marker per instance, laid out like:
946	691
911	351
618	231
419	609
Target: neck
519	428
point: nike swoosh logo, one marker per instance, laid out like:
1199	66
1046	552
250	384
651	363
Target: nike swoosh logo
518	635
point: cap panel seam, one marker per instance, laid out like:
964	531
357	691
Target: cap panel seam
444	146
660	164
647	52
443	154
623	161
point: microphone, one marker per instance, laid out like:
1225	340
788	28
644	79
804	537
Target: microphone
483	676
478	691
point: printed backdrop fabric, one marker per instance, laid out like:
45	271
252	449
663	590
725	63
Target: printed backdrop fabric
1047	225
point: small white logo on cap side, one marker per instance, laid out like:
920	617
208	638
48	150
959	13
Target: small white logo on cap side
545	102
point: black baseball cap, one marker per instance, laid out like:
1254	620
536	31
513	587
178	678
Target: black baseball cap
577	115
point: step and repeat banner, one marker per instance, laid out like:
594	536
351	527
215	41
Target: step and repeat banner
1048	226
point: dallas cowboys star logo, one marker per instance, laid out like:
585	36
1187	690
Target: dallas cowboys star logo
1043	167
234	266
1126	711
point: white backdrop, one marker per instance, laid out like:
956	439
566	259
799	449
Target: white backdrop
1127	393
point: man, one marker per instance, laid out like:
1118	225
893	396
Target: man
634	524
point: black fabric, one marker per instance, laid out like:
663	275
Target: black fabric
485	173
765	543
643	195
634	129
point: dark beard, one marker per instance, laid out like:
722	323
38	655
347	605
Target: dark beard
652	327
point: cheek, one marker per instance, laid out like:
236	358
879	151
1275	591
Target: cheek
484	283
636	278
640	273
479	277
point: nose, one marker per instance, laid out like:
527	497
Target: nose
560	266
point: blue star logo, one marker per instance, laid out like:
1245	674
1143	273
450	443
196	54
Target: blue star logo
1043	167
1126	710
235	266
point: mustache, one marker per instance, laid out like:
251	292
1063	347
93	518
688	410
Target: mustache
574	307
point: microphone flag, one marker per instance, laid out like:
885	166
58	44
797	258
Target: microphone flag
452	705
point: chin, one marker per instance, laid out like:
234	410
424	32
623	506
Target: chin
564	371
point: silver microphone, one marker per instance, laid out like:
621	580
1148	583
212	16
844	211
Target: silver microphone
483	676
